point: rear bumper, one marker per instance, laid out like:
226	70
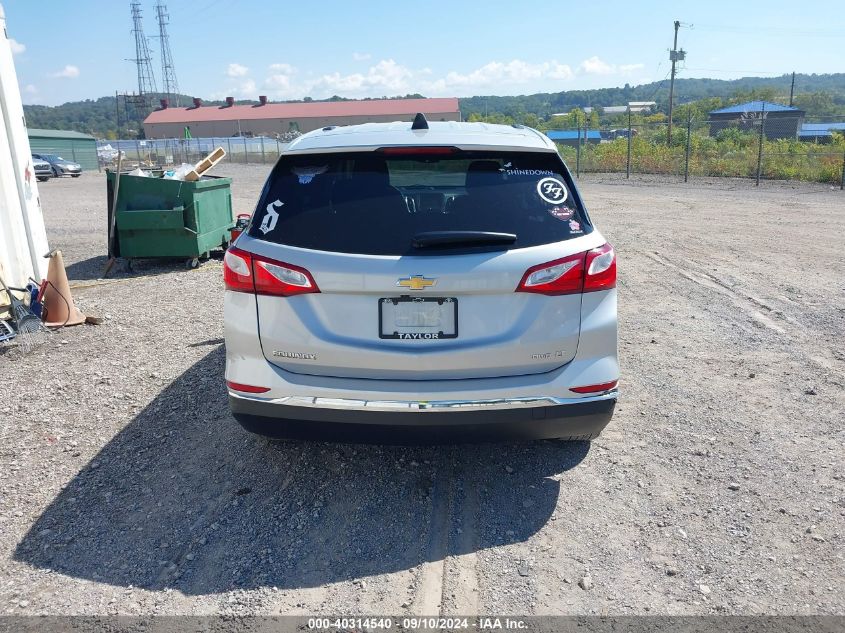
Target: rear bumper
426	422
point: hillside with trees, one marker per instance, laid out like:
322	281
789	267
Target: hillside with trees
819	95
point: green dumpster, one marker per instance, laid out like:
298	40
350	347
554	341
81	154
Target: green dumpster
157	217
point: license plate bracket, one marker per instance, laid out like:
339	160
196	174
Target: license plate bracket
420	318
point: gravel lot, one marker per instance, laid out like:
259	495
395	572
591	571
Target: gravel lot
125	487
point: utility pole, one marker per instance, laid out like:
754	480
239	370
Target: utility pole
792	89
675	55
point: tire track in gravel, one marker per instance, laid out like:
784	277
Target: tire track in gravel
428	598
742	301
462	566
757	310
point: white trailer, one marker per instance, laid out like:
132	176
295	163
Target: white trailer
23	239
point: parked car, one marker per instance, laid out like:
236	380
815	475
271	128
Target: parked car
43	169
436	283
61	167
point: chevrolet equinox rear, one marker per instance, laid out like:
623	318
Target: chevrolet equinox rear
430	281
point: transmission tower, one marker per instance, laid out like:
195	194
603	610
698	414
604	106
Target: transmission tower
146	78
168	73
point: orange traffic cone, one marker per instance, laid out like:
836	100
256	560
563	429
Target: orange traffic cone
58	308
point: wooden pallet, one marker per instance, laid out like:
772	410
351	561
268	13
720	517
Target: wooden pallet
205	164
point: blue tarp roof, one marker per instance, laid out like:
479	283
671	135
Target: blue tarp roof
822	127
754	106
572	135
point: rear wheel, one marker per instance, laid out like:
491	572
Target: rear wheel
43	178
76	175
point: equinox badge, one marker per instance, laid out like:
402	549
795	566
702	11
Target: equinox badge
416	282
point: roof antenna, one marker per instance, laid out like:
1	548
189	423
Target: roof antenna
419	122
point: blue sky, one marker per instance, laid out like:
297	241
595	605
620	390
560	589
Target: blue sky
71	50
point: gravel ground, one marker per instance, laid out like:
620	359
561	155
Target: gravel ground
125	487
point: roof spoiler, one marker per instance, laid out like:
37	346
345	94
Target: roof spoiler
420	122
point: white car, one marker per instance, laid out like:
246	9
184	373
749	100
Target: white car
425	282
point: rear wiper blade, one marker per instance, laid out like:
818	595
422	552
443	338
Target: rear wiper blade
461	238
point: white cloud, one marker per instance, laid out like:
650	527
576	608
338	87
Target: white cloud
596	66
17	47
246	89
236	70
513	72
285	69
361	57
385	77
68	72
30	89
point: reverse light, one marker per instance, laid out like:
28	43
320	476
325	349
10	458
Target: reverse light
237	386
601	269
604	386
256	274
237	270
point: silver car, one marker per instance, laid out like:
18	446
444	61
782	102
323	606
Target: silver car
425	282
60	166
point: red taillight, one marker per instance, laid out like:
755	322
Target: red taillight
247	272
583	272
560	277
604	386
237	386
600	269
237	270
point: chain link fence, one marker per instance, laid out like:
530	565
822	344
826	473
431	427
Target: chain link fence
156	153
760	148
756	147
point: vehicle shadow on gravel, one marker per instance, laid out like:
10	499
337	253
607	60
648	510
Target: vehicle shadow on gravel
92	268
183	498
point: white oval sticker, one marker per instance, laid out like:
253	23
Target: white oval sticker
552	190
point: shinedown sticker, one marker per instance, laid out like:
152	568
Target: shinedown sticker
269	221
552	190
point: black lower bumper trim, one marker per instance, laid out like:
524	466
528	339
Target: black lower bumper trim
577	421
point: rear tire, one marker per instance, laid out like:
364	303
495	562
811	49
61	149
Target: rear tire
43	178
75	175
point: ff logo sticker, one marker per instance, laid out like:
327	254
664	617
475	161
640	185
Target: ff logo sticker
269	221
552	190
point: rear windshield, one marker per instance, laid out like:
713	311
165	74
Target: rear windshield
378	202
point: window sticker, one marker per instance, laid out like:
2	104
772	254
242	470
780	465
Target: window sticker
575	227
269	221
562	213
527	172
306	174
552	190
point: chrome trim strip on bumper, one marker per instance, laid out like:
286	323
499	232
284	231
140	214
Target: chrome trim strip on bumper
426	405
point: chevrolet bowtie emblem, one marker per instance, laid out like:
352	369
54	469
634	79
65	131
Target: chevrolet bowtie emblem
416	282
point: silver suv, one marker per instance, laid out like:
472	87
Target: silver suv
426	282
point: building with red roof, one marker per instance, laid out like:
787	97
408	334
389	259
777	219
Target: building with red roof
272	119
